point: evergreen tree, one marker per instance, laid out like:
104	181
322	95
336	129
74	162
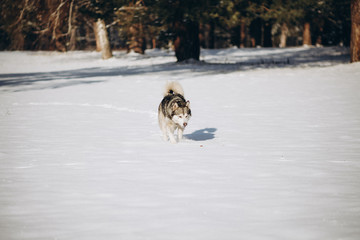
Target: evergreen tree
233	15
314	14
284	16
58	24
182	18
100	11
138	23
337	27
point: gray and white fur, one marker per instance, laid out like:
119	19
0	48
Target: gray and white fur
173	112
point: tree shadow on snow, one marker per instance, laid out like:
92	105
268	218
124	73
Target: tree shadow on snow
247	59
202	134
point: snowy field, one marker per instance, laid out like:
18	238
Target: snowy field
272	150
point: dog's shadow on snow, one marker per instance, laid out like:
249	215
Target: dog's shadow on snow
202	134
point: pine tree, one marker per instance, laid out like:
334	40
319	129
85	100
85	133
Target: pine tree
134	20
100	11
55	25
182	18
233	15
284	16
316	15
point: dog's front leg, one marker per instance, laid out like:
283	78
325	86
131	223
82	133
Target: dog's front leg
170	131
164	133
180	133
164	136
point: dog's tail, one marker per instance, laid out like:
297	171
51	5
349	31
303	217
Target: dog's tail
173	88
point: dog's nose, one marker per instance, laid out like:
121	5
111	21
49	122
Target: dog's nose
185	124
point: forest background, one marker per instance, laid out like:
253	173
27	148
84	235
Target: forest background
184	25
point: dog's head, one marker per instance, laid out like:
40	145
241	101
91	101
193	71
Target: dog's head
181	113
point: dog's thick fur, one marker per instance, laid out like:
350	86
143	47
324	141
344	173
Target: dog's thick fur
173	112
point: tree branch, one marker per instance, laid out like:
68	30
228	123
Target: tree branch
21	14
57	17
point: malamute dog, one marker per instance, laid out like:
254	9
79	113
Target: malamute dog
174	112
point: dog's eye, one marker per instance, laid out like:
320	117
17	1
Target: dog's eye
180	116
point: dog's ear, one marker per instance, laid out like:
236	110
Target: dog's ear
175	106
188	103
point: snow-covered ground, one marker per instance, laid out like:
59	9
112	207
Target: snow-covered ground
272	150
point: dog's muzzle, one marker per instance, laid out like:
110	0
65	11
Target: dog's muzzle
185	124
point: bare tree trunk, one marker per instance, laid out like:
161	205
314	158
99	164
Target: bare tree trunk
262	34
320	33
17	40
103	39
72	42
97	39
307	35
242	34
17	36
283	36
137	41
355	31
319	39
207	39
187	43
72	29
253	42
211	41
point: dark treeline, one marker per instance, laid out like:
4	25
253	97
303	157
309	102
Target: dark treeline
184	25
